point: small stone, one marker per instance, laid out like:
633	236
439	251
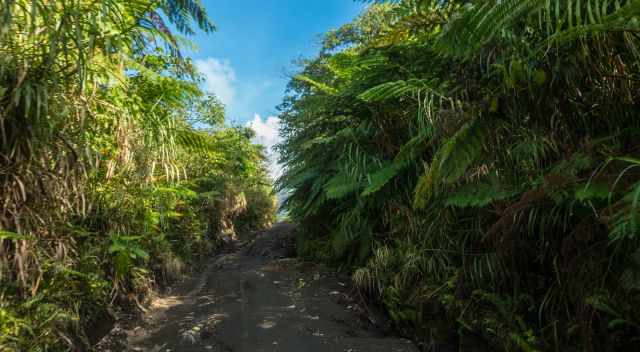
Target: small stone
267	324
189	337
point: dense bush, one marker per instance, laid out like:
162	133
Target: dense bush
106	188
476	163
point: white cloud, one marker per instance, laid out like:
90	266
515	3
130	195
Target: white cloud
267	134
219	78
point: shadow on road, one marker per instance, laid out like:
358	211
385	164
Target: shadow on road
257	298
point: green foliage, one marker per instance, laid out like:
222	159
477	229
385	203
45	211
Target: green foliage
475	163
559	21
397	89
340	186
379	179
126	251
451	161
117	172
479	194
317	85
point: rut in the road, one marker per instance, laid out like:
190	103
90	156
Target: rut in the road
252	300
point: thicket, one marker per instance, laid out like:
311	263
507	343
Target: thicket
116	171
476	164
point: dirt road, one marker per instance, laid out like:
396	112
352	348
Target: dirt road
252	299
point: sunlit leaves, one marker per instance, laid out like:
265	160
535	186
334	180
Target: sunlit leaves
102	122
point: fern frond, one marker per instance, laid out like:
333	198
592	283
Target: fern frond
625	223
452	160
462	150
592	191
317	85
315	197
353	225
562	21
194	140
407	154
479	194
296	178
618	18
317	141
411	150
380	179
474	26
425	188
398	89
340	186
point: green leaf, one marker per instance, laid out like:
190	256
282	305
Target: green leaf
398	89
592	191
461	150
380	179
318	85
12	236
139	253
340	186
451	161
129	238
116	247
411	150
479	194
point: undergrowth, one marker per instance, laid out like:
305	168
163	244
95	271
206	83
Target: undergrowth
117	172
475	163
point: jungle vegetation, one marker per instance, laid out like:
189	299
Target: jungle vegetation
476	163
117	172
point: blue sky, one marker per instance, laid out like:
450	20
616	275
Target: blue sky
247	61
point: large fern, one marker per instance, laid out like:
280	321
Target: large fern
380	178
340	186
625	223
398	89
407	154
561	20
452	160
479	194
322	87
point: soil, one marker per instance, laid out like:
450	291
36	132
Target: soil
256	297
